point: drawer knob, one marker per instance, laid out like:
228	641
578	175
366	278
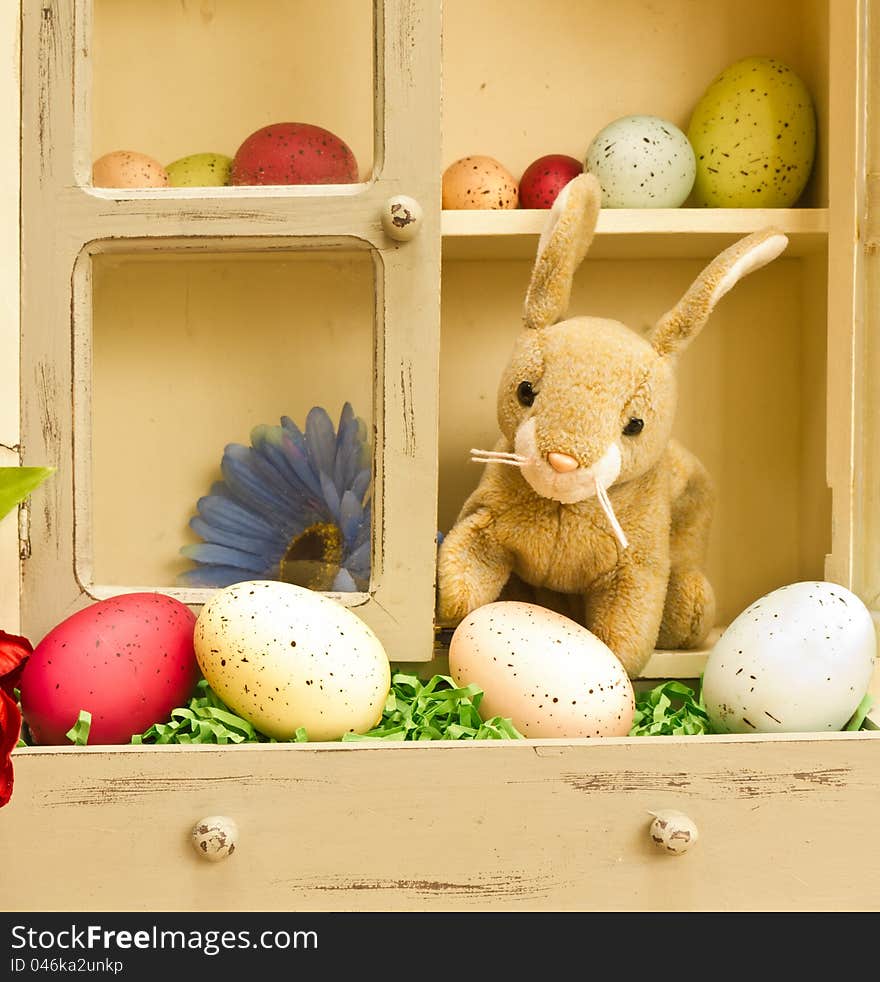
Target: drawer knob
673	832
401	217
214	838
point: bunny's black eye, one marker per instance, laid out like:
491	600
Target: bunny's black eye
634	427
525	393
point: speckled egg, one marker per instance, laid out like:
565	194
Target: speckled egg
642	162
799	659
284	657
128	661
128	169
551	676
200	170
479	182
294	153
754	134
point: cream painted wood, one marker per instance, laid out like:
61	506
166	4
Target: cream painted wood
65	220
786	823
10	87
623	233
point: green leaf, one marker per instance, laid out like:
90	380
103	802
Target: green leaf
16	483
78	734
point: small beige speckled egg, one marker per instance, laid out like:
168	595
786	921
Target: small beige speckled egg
551	676
479	182
128	169
284	657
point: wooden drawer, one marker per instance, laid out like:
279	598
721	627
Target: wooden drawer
784	823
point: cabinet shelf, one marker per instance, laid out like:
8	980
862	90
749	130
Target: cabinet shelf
669	233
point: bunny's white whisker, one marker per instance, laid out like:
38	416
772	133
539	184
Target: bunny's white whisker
605	502
493	460
498	455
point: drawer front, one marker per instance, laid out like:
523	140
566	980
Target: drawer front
783	824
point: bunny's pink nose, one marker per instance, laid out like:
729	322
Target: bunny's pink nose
562	463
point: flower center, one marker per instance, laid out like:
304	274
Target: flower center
313	558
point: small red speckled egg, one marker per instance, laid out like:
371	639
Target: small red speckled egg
129	661
543	179
128	169
479	182
294	153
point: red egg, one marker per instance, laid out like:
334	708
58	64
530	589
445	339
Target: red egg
545	178
294	153
129	661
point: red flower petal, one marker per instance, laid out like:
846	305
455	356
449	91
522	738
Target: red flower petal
10	729
14	652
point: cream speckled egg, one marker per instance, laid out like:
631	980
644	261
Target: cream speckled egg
284	657
799	659
551	676
642	162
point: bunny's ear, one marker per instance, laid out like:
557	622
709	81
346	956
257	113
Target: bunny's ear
679	326
563	245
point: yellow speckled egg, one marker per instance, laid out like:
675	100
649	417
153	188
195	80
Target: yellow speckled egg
551	676
128	169
754	136
479	182
284	657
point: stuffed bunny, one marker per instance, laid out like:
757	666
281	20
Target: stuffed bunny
585	493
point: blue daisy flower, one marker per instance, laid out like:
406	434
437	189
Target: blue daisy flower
293	506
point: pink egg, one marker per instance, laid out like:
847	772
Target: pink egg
129	661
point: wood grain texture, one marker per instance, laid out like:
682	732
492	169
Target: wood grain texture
785	823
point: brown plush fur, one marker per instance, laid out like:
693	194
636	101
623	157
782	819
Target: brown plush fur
530	525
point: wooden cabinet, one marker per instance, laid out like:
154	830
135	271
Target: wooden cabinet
157	325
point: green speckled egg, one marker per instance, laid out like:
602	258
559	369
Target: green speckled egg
200	170
754	136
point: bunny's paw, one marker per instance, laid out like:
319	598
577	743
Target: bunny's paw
689	611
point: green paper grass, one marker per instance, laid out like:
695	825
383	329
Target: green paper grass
435	710
670	709
78	734
859	719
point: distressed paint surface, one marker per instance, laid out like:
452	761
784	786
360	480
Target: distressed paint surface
784	823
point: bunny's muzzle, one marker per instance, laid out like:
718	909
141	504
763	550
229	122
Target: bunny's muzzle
560	476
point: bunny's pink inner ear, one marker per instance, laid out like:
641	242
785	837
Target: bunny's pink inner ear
684	322
567	235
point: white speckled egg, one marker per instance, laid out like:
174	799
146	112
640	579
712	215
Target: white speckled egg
642	162
798	660
284	657
551	676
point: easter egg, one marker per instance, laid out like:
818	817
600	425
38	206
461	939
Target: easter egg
798	660
754	135
128	661
642	162
128	169
551	676
200	170
293	153
284	657
543	179
479	182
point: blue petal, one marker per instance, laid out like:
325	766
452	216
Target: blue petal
360	558
351	514
247	483
321	441
343	583
360	485
330	495
268	548
216	577
207	552
225	513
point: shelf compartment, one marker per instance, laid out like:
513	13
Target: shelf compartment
163	81
625	233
